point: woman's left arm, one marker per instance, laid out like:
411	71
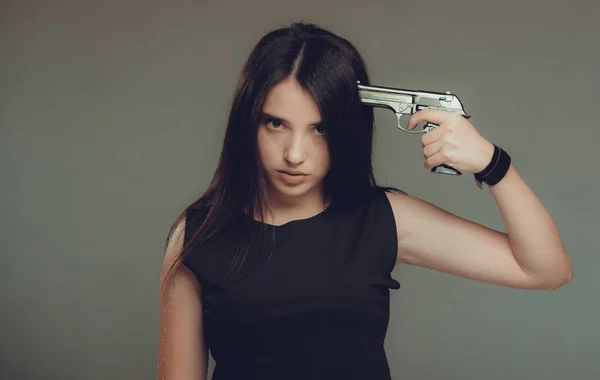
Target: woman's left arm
530	255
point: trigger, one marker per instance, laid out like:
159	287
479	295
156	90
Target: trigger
430	127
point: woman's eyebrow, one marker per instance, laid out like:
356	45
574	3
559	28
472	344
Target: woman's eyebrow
266	115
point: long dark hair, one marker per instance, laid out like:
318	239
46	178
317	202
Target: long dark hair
328	67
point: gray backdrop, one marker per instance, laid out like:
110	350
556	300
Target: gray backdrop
112	115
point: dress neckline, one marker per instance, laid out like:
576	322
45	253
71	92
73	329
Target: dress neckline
292	222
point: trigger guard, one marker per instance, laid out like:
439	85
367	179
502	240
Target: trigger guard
424	130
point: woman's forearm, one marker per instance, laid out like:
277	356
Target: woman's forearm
534	238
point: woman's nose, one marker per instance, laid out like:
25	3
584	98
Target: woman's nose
295	152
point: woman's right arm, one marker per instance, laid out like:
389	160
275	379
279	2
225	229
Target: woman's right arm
182	353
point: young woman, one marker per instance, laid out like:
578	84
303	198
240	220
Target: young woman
282	267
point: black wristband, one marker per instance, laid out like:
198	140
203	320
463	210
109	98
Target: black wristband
496	169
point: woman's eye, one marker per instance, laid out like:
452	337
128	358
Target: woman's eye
275	124
320	130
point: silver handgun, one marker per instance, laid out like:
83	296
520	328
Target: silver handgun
407	102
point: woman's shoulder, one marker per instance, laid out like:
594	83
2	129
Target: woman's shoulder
194	215
373	204
384	196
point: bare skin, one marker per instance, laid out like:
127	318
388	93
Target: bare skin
182	353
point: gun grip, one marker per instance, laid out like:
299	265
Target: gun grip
441	169
445	169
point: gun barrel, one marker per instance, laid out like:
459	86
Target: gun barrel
401	91
387	90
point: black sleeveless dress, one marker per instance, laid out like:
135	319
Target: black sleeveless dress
316	306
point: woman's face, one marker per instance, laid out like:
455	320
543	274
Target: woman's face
292	144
